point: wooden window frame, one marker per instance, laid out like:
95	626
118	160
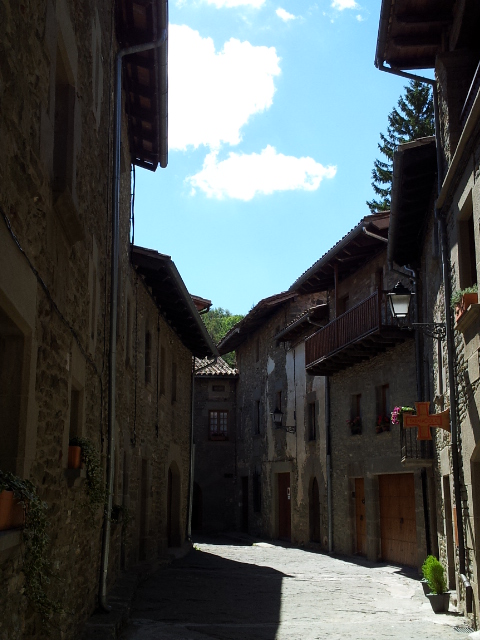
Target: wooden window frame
218	424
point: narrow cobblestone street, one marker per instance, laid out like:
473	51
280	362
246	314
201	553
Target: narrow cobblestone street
232	591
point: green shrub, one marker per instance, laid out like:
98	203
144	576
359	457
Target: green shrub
434	574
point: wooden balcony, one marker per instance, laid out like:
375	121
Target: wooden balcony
359	334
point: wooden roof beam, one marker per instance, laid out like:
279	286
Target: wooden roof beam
418	40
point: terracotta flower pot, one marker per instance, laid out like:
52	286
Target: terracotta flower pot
74	457
467	300
12	513
6	509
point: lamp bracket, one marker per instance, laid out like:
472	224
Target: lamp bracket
435	330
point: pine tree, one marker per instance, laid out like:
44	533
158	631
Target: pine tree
413	119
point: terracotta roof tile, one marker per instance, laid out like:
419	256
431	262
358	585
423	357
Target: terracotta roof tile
219	368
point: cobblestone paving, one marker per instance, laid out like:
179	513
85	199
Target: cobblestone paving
264	591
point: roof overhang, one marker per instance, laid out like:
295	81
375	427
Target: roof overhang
173	300
413	188
145	77
410	32
354	250
312	319
252	321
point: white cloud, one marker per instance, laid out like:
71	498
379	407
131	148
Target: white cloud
213	94
256	4
284	15
344	4
242	176
360	18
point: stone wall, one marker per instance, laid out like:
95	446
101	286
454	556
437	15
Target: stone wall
278	377
54	319
215	459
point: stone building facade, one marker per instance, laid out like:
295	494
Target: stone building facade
370	367
443	217
215	440
56	342
281	486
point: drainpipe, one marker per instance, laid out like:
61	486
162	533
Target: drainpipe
112	356
449	336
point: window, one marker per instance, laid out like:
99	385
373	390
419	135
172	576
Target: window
148	357
174	381
355	421
218	425
256	418
75	416
311	421
11	365
257	491
162	370
466	252
278	401
383	408
63	127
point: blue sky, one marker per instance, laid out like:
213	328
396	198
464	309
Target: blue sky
275	110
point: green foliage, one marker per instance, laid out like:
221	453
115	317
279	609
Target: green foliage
121	514
94	487
413	119
218	322
36	566
458	295
434	574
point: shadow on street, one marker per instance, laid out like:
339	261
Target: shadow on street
195	595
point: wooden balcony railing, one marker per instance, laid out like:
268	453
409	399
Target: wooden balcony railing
367	318
415	452
470	99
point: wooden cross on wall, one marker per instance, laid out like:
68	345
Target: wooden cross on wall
425	421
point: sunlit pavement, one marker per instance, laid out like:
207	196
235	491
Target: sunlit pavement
233	591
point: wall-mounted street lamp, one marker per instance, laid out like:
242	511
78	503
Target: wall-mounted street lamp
277	416
399	299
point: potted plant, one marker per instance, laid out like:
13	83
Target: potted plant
74	456
397	414
383	423
12	514
36	566
462	299
434	574
355	425
94	486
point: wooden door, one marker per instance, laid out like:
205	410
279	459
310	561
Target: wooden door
397	519
314	512
360	518
284	509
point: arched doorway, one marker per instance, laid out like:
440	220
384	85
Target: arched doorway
197	508
314	511
173	507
